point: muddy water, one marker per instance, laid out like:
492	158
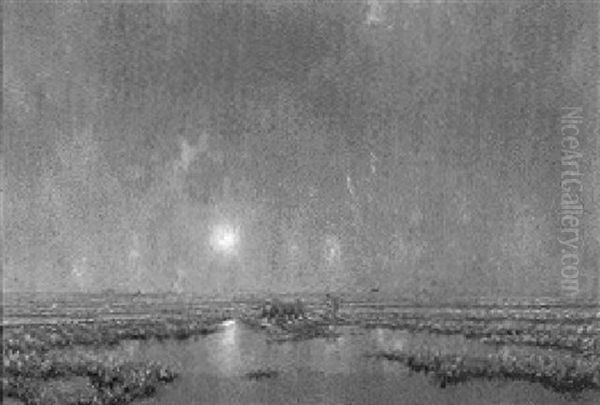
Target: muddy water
319	371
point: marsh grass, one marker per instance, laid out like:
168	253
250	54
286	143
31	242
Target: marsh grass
69	363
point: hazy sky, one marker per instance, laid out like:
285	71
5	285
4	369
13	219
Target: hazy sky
221	146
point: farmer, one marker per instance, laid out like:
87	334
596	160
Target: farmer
277	309
333	305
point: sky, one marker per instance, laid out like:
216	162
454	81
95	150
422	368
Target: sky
226	147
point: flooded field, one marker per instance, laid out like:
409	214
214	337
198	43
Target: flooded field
161	350
321	371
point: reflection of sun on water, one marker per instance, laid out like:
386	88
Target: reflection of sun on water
227	356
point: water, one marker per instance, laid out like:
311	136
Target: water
319	371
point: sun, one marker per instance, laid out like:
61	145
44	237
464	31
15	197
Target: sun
225	239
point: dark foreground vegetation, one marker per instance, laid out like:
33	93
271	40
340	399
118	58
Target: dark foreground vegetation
91	382
65	363
559	373
569	339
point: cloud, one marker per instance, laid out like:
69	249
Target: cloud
190	152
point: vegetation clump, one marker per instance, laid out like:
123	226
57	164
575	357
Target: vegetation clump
41	338
577	333
558	372
49	363
85	382
261	374
285	321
